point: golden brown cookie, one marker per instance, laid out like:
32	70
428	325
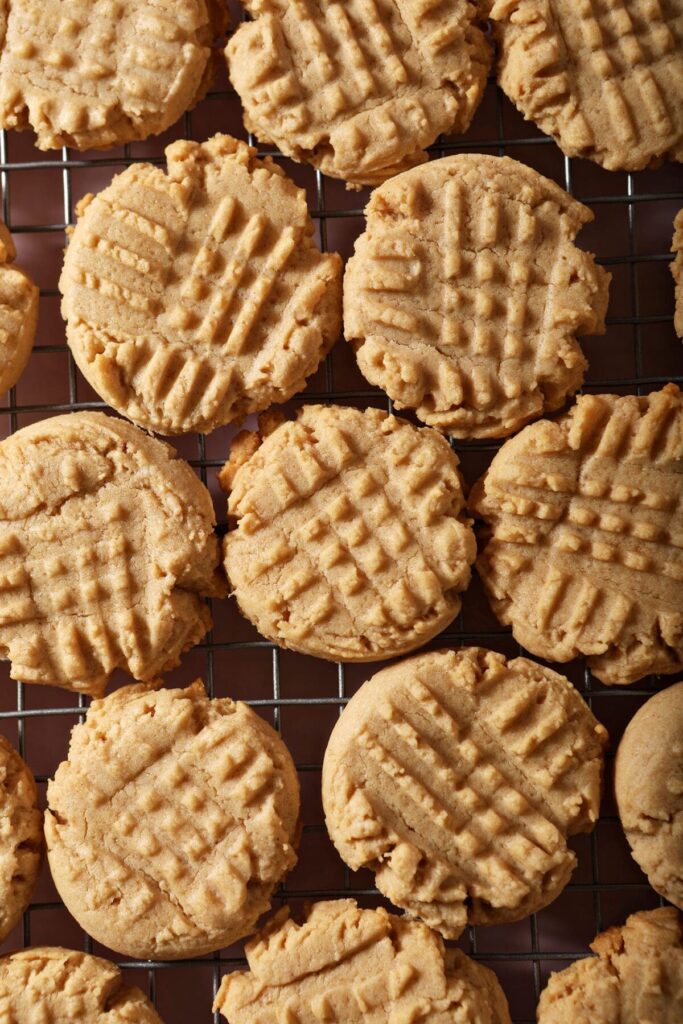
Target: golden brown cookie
648	783
341	963
197	296
21	838
18	314
49	984
603	77
466	293
97	74
107	550
677	271
457	777
350	540
171	822
358	88
584	522
636	978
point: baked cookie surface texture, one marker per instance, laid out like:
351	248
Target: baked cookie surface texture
603	77
466	293
171	822
107	548
457	778
21	837
584	520
48	983
98	73
196	296
636	978
350	541
342	963
648	783
18	314
358	88
677	271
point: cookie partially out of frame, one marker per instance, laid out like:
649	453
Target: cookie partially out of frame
342	963
350	540
171	822
195	296
107	549
648	783
21	837
604	79
49	983
457	778
358	88
636	977
465	295
584	530
18	314
677	272
101	73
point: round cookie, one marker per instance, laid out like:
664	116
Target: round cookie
584	522
648	783
98	74
605	80
350	541
21	838
341	963
637	976
171	822
677	272
457	778
18	314
196	296
466	293
107	548
48	983
359	88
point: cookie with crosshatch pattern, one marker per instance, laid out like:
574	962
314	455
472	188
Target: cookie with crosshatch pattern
21	837
171	822
344	963
107	549
637	976
97	74
196	296
350	539
603	77
49	983
359	88
584	521
457	777
18	314
465	294
677	271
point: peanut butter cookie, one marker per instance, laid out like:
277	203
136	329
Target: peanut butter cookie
171	822
457	778
350	540
605	79
21	838
677	271
196	296
107	549
342	963
359	88
648	783
584	522
18	314
466	294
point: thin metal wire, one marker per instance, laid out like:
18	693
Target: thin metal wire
631	200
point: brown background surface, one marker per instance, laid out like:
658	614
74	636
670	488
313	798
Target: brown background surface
631	235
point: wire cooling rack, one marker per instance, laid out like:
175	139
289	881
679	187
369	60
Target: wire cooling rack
631	235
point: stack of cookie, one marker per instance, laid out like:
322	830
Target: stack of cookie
196	295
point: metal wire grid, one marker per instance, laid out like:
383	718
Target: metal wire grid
458	634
